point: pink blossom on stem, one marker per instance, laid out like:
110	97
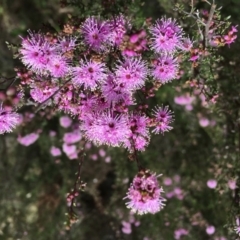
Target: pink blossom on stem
210	230
28	139
96	33
36	52
108	129
212	183
165	69
119	26
131	73
66	44
108	159
163	117
58	66
204	122
65	121
179	233
89	74
184	99
139	138
8	120
72	137
166	35
70	151
232	184
144	194
55	152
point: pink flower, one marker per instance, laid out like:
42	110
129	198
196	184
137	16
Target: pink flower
66	44
108	159
167	181
88	145
189	107
65	121
204	122
102	152
170	194
52	133
108	129
134	38
179	233
163	117
55	152
70	151
127	229
178	193
119	26
212	183
231	36
58	66
36	52
129	53
184	99
185	44
144	194
96	33
89	74
194	55
115	92
131	73
220	238
167	35
8	120
28	139
210	230
165	69
72	137
232	184
42	92
139	138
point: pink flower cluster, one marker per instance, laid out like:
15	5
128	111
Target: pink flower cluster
167	39
144	194
97	74
99	83
28	139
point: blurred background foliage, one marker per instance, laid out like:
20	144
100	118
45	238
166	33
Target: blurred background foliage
33	184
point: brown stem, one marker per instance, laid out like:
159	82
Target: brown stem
13	79
76	184
212	10
136	156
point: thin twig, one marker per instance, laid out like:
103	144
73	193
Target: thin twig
73	216
13	79
45	101
135	155
212	10
77	181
